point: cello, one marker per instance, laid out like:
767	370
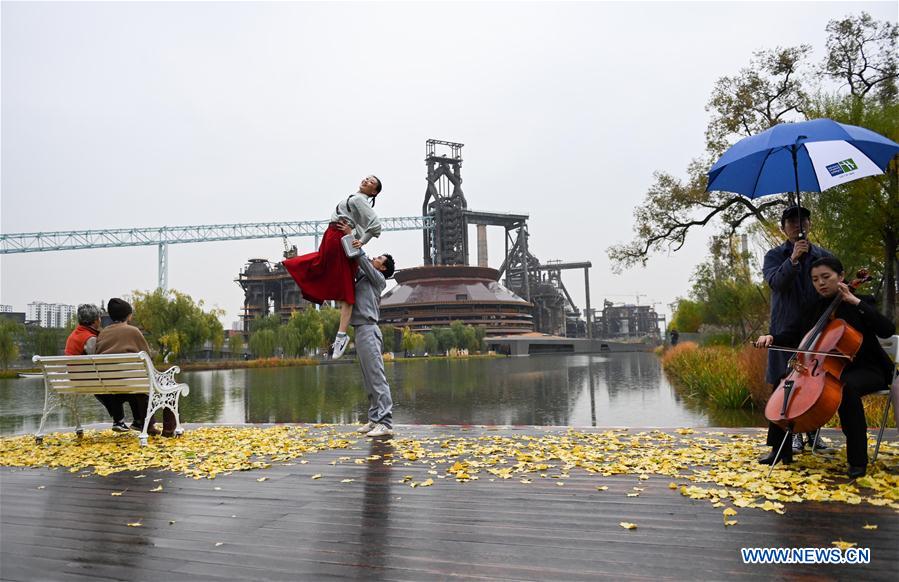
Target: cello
810	394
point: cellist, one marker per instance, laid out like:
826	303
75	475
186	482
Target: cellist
871	370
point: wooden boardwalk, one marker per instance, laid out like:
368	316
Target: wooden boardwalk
58	525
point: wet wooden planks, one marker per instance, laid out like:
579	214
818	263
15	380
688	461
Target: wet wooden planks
291	527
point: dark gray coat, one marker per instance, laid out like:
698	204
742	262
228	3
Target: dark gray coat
791	288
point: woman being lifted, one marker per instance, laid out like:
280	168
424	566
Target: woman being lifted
327	274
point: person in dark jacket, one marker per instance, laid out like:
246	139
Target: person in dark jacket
787	271
871	369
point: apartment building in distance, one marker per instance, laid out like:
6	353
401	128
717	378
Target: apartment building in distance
50	314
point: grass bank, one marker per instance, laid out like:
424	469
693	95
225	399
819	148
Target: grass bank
721	376
727	377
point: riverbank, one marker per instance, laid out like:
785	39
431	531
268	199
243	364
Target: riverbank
733	378
201	366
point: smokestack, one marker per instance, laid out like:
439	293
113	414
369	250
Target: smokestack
482	245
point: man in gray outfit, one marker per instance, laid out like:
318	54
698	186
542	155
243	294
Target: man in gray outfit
371	279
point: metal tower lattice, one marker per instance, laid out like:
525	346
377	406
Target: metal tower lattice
447	243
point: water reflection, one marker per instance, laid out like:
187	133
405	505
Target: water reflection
573	390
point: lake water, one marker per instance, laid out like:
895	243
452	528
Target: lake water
621	389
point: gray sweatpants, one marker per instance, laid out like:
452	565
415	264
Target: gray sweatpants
368	351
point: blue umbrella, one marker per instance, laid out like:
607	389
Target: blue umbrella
810	156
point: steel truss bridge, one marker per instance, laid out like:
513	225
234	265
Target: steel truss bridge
40	242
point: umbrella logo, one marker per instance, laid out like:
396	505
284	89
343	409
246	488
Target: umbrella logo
842	167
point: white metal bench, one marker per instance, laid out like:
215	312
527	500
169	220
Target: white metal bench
68	377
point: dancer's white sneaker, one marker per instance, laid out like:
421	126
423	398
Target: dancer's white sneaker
367	427
339	346
379	431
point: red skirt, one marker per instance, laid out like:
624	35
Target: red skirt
327	274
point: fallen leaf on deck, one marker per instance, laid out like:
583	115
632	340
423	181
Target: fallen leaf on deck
134	524
261	479
317	476
156	489
869	526
628	525
844	545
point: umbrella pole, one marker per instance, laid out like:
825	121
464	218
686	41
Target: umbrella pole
798	196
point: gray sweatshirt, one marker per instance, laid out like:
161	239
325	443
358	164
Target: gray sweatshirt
358	212
370	283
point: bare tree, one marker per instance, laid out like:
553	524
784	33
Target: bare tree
765	93
862	52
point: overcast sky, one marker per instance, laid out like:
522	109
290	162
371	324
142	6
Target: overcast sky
152	114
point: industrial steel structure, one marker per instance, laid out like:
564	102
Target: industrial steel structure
268	288
435	296
627	321
553	310
36	242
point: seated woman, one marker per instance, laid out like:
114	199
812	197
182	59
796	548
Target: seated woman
870	371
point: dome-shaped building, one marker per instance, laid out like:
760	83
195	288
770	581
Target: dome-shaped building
435	296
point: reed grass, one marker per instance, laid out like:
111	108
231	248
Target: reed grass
713	373
735	378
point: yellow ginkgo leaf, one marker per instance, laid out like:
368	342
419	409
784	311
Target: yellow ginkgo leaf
602	487
317	476
347	480
729	511
869	526
672	485
426	483
633	494
261	479
41	486
156	489
729	522
628	525
844	545
217	544
525	481
135	524
117	493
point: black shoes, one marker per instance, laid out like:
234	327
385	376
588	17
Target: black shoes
119	426
856	472
151	430
768	459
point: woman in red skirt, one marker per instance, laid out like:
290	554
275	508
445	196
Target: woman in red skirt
328	274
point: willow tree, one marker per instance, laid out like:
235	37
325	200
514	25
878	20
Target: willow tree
174	323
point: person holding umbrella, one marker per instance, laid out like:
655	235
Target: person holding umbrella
787	271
